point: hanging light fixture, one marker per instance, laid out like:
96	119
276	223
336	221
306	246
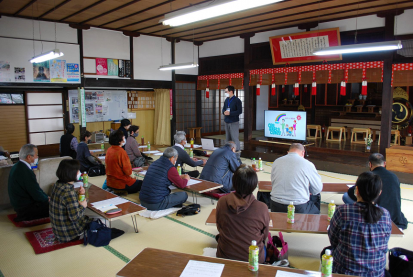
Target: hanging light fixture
47	56
178	66
211	9
359	48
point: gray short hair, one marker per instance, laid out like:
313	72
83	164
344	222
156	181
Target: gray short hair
231	144
26	150
170	152
179	137
296	146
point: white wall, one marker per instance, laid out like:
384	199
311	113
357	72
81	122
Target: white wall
105	44
262	105
403	24
148	58
186	52
16	45
222	47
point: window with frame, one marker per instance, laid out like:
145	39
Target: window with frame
185	100
11	98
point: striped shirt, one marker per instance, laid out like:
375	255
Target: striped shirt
359	248
66	214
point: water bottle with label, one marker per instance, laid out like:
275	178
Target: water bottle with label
290	213
327	264
179	169
331	210
253	256
259	164
149	146
191	153
192	143
254	164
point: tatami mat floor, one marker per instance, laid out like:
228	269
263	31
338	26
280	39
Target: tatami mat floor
187	235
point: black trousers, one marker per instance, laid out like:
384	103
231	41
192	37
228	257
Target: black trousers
311	207
35	211
132	189
192	174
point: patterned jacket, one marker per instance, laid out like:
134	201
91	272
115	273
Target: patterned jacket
66	214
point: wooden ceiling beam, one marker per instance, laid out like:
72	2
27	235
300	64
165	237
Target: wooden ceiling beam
312	18
246	17
110	11
82	10
394	12
54	8
136	13
217	36
131	34
25	7
79	26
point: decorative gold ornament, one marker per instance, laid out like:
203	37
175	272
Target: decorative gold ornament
400	93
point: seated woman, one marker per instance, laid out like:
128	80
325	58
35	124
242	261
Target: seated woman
68	142
88	163
118	166
359	232
241	218
132	148
67	213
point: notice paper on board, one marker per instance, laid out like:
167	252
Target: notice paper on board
202	269
281	273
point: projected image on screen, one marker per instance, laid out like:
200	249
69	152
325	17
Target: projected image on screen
286	125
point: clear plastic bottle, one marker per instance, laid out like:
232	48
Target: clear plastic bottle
102	147
179	169
191	153
290	213
253	256
331	210
259	164
327	264
254	164
85	179
149	146
192	142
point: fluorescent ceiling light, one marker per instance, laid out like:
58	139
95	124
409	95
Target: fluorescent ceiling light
47	56
178	66
210	10
357	48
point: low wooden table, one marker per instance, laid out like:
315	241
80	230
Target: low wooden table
339	188
97	194
331	130
304	223
173	263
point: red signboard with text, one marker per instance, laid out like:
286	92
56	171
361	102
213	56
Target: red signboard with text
298	48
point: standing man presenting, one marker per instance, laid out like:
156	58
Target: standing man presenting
232	109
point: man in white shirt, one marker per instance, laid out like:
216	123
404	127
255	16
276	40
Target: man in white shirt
295	179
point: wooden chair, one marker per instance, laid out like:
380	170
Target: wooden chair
355	131
317	129
332	129
396	134
193	131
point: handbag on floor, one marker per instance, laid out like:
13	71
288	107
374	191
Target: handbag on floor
398	266
277	248
97	234
189	210
97	170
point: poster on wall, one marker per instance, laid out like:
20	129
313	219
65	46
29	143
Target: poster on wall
127	69
299	47
58	70
73	72
113	67
101	66
19	74
121	71
41	72
5	72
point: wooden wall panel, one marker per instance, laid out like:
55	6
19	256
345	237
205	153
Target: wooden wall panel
145	120
13	127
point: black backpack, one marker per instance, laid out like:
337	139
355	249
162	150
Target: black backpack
399	267
189	210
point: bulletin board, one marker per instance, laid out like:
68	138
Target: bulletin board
101	105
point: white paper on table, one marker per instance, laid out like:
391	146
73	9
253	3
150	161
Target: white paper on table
350	186
192	182
158	154
143	146
281	273
151	152
143	172
77	184
104	209
171	187
109	202
3	158
202	269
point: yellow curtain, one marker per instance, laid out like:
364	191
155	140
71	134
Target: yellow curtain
162	128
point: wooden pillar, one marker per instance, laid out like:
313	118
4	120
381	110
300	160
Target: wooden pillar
82	71
173	121
248	97
387	97
198	97
131	35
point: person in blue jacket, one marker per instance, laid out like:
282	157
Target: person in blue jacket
221	165
231	110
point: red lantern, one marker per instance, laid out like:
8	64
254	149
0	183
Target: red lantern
364	87
314	88
296	89
207	92
273	89
258	89
343	89
305	88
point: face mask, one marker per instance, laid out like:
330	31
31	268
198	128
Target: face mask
35	161
78	175
135	135
124	142
226	94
